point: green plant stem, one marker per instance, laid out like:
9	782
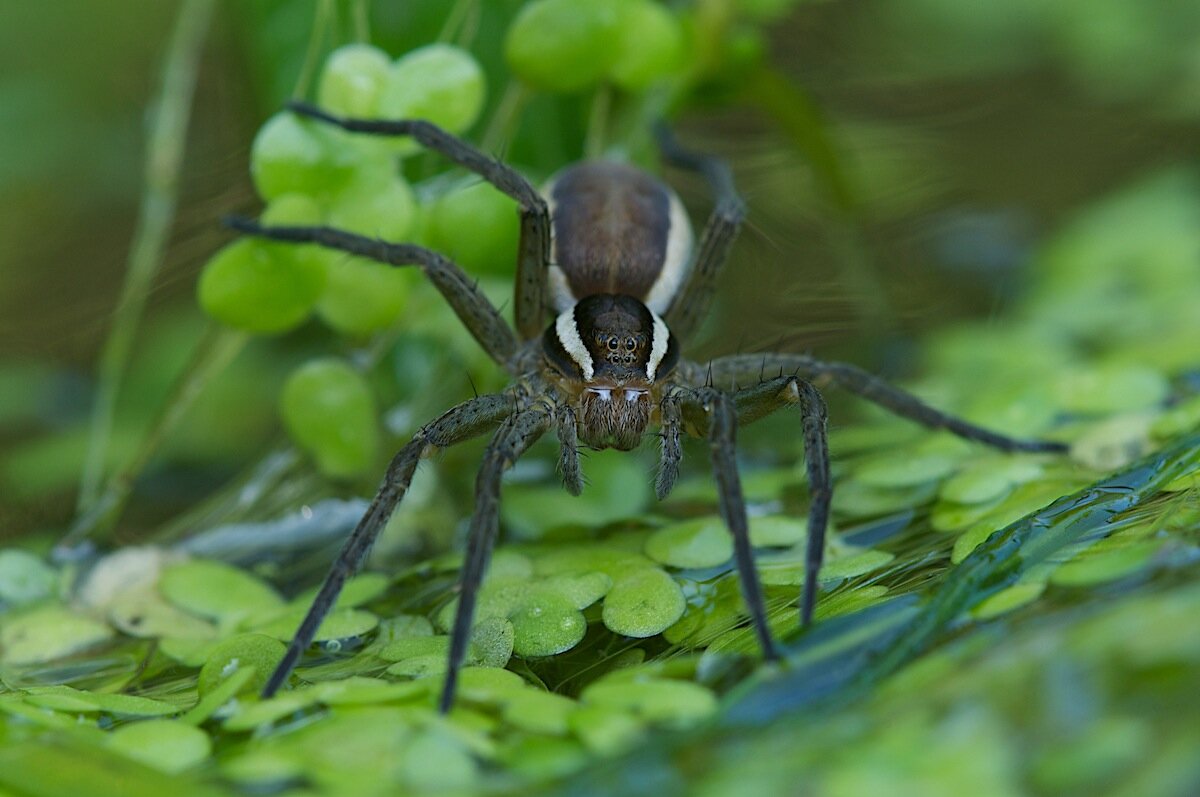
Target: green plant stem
597	129
362	20
164	157
316	40
508	110
215	350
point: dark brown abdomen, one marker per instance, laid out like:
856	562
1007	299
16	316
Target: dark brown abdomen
612	229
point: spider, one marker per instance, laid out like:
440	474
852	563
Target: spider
608	250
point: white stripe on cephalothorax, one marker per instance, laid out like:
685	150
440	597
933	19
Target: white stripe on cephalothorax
677	259
658	345
568	335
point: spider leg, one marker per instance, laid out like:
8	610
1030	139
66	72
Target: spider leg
691	304
514	436
716	410
474	309
568	449
774	394
870	387
467	420
534	248
671	419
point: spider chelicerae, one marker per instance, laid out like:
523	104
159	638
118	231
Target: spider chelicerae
608	250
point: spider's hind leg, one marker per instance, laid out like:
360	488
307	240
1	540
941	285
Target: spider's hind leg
690	307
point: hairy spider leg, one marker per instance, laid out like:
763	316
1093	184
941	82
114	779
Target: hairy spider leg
692	303
477	313
533	256
744	368
467	420
766	398
671	452
515	435
715	412
568	449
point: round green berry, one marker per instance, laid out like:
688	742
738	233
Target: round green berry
476	226
294	155
649	45
351	80
563	45
376	204
329	411
362	297
439	83
260	287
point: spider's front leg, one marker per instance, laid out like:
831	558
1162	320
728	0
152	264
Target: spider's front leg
467	420
715	412
534	248
477	313
515	435
749	368
775	394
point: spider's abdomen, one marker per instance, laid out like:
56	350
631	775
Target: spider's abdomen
616	230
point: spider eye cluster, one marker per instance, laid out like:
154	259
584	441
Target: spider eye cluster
621	349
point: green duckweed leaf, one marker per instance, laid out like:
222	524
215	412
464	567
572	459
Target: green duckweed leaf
856	499
1102	566
339	624
253	714
143	613
162	744
657	700
47	633
1110	387
187	651
545	623
643	603
539	712
437	762
24	578
218	591
778	531
244	651
987	480
358	690
1184	417
897	469
1006	600
605	730
606	559
698	543
408	647
789	568
581	589
1114	442
64	698
219	696
358	590
492	642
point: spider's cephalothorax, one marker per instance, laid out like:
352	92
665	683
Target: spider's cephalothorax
609	352
607	253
